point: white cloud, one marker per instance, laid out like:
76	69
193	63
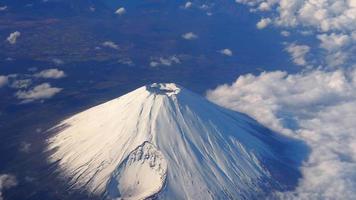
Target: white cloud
337	46
264	6
336	59
50	73
226	52
317	107
164	61
120	11
263	23
13	37
110	44
188	4
333	41
332	22
298	53
42	91
6	181
3	80
190	36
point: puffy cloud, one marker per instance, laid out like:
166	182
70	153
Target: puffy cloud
3	80
298	53
42	91
6	181
50	73
13	37
335	59
263	23
264	6
226	52
110	44
189	36
333	41
337	46
120	11
164	61
318	107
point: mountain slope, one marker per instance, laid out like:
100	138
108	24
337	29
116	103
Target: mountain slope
162	140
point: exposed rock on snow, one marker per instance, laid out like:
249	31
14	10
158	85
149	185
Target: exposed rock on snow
164	141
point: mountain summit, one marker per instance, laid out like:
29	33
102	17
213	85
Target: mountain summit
163	141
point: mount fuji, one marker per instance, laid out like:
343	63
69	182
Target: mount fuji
162	141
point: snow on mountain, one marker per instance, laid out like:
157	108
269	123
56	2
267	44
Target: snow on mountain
164	141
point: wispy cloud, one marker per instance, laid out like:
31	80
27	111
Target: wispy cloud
21	84
164	61
25	147
3	8
285	33
57	61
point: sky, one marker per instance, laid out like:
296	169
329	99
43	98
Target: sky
315	103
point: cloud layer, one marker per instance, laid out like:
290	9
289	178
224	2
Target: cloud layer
318	107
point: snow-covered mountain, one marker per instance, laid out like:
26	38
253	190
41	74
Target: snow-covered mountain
166	142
